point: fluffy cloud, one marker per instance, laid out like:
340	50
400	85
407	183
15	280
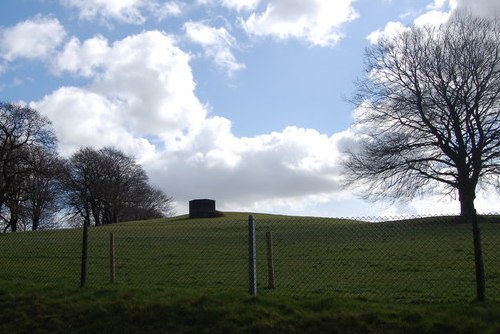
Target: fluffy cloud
241	4
123	10
217	43
481	7
169	8
147	75
391	29
142	90
238	5
433	17
127	11
84	118
288	169
317	21
32	39
81	59
142	100
436	13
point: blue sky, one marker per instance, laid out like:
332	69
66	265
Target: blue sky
242	101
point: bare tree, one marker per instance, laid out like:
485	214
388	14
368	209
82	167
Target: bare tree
80	183
428	112
43	188
122	182
106	186
22	129
149	203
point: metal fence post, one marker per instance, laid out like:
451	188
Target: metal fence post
252	263
478	258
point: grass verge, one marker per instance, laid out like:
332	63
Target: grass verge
111	311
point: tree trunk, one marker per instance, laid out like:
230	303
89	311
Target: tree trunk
466	196
13	223
35	223
36	218
14	218
478	259
96	214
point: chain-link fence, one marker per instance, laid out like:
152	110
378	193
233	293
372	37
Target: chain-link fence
417	259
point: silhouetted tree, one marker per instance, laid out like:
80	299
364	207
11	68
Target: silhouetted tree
43	188
149	203
106	186
22	130
81	184
428	112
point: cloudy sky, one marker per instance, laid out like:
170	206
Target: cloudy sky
242	101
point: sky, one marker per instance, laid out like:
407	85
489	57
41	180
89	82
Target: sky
240	101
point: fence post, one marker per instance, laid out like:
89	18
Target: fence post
111	257
478	258
252	268
270	261
85	248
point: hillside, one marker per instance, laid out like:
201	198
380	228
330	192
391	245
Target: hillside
420	259
190	275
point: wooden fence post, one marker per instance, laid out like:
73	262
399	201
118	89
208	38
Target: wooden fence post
85	251
252	263
270	261
111	257
478	259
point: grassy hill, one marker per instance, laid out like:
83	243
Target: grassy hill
321	265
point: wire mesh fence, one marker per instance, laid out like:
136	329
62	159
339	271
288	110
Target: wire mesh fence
417	259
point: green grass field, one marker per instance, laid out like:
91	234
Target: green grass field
414	266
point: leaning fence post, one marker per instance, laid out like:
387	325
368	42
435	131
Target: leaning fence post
252	263
111	257
478	258
270	261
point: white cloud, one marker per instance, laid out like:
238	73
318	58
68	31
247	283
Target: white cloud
481	7
217	44
437	4
391	29
35	38
142	100
432	18
282	169
123	10
316	21
168	9
238	5
84	118
241	4
144	87
438	12
82	59
126	11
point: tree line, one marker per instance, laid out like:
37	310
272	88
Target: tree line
40	189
